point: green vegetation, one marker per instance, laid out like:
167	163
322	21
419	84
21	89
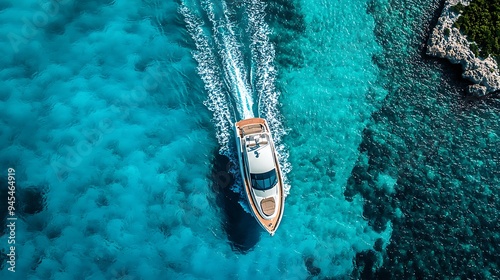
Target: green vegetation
446	32
474	48
480	21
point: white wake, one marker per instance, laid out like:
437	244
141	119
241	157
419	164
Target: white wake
216	30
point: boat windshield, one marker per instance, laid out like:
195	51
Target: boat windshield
264	181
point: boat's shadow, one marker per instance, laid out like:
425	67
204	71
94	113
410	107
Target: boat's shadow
242	230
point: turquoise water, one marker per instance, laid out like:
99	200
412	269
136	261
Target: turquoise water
117	117
428	161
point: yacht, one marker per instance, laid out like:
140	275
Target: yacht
260	172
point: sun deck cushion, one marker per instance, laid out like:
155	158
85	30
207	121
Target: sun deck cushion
250	129
263	141
252	141
268	205
251	144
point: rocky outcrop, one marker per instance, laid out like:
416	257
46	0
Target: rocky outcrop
447	42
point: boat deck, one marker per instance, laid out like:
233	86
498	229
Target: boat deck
252	129
268	205
251	126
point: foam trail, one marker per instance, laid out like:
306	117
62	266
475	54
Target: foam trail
233	59
217	101
244	98
216	65
225	38
220	59
265	76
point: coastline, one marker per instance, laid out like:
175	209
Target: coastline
446	41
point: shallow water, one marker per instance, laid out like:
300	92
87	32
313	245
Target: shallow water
118	120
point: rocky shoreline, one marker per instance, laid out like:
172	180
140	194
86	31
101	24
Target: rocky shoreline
446	41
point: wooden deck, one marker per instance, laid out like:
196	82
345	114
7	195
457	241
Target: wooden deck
250	126
251	121
268	205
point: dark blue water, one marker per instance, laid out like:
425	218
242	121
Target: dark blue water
440	148
117	117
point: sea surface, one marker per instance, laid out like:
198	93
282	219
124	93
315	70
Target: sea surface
117	117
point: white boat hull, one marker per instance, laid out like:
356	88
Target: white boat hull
257	154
